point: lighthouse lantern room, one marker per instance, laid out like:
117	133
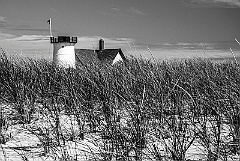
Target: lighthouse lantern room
63	50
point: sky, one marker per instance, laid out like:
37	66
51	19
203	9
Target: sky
161	29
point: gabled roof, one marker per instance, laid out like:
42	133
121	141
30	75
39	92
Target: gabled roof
85	55
109	54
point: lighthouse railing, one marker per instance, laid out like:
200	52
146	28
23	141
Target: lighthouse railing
63	39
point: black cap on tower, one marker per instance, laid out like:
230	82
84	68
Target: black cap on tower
101	44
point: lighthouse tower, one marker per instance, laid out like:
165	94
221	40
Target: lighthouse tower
63	50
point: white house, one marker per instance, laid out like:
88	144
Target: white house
111	56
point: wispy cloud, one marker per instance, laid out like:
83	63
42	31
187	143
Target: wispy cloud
189	50
3	22
28	38
93	41
54	10
5	36
31	44
210	46
121	12
27	45
102	12
31	29
108	13
223	46
113	12
115	9
214	3
136	11
2	19
6	26
9	26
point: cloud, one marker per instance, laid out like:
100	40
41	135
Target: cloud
83	42
119	12
115	9
39	45
55	11
28	38
4	36
30	29
28	45
4	25
106	13
113	12
187	50
200	46
93	41
3	22
211	46
2	19
138	12
214	3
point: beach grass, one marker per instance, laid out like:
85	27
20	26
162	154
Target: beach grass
137	110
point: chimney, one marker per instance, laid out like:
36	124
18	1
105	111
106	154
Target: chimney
101	44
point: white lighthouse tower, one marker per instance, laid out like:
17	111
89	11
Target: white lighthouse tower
63	50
